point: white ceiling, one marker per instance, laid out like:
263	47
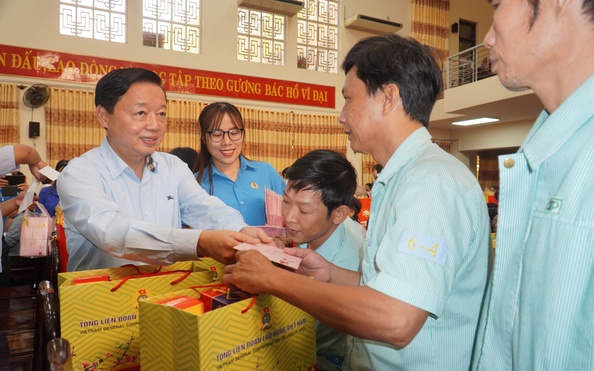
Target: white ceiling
484	98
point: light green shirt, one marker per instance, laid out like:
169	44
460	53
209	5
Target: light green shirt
344	249
427	245
540	313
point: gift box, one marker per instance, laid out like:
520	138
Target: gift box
99	310
186	303
262	332
209	294
220	296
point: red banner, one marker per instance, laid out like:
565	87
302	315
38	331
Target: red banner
77	68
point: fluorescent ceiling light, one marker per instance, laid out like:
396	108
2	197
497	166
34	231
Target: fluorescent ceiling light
481	120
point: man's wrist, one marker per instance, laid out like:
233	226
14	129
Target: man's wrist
200	251
39	164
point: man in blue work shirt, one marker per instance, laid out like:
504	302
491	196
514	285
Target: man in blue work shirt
415	304
539	312
316	212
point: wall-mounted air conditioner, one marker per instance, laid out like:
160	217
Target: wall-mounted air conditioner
369	24
286	7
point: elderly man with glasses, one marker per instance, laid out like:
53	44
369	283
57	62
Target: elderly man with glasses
123	202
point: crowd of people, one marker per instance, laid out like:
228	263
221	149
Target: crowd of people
419	288
11	157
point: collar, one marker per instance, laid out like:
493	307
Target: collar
151	164
550	132
332	244
408	150
244	165
115	165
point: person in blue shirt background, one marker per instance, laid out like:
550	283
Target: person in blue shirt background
225	172
48	196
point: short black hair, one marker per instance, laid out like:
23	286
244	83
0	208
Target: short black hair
403	61
61	165
111	87
327	171
355	205
188	155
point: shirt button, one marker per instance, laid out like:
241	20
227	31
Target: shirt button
509	162
241	202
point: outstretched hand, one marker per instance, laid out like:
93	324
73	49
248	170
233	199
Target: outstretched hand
219	244
259	234
35	170
253	272
312	265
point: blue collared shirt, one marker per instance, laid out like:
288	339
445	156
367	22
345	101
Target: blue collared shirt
114	218
48	197
246	194
427	244
540	309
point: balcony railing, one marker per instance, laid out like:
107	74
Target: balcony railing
468	66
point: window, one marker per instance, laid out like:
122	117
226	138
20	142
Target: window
317	36
171	24
94	19
260	37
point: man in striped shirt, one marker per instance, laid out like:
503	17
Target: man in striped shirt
415	304
539	311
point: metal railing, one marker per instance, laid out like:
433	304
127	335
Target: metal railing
468	66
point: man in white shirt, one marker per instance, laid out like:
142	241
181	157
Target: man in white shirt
124	203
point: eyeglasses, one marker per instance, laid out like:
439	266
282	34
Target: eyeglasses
234	134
